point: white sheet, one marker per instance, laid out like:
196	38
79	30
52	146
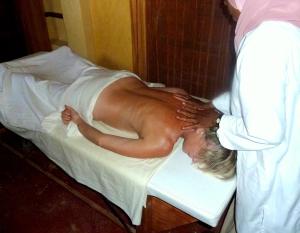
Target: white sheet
122	180
54	65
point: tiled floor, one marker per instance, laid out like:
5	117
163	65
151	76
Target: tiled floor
36	196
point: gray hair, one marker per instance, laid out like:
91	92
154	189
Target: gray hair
217	160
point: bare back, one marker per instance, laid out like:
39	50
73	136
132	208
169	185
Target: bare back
130	105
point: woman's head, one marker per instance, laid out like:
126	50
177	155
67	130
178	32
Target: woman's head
208	155
254	12
194	142
216	159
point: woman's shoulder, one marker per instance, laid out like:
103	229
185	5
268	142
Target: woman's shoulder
163	119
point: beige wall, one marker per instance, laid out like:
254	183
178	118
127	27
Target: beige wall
112	32
99	30
56	27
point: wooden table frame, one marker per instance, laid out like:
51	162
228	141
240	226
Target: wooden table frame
160	216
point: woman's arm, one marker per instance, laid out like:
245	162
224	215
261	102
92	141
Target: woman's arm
143	147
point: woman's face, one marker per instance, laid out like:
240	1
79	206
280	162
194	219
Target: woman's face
235	13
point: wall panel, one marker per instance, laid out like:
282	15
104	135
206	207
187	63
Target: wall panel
99	30
111	22
189	45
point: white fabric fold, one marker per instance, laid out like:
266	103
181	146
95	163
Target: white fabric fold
59	65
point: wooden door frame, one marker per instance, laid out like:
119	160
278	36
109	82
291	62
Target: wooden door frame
139	42
33	23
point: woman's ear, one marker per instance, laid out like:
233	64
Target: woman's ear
200	131
211	145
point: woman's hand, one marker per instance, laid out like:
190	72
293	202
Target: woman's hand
69	114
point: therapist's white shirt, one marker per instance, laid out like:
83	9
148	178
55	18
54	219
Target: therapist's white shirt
262	121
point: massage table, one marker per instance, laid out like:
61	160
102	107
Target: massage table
157	194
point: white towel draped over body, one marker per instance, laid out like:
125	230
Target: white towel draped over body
31	106
82	96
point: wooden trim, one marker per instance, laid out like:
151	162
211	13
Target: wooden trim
54	15
138	24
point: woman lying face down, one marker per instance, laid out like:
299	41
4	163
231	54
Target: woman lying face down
207	154
129	105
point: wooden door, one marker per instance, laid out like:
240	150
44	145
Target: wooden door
33	23
12	44
184	43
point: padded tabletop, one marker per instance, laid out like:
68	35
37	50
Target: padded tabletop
201	195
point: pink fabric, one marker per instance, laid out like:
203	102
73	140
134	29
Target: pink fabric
253	12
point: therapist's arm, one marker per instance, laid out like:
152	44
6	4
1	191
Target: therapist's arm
258	94
222	103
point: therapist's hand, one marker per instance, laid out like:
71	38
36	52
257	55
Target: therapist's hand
200	119
192	104
197	115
